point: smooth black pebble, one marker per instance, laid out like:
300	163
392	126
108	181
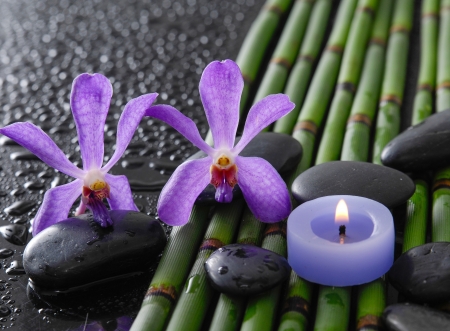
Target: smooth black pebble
425	146
385	185
77	251
241	269
411	317
422	274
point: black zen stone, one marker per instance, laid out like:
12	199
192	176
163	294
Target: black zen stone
411	317
282	151
240	269
425	146
78	251
385	185
422	274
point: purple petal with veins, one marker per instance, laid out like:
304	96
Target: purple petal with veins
179	194
90	98
220	90
261	115
40	144
56	205
120	196
128	123
263	189
181	123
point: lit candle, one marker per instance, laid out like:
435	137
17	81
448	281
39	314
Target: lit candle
340	240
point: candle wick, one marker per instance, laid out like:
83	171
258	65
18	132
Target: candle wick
341	234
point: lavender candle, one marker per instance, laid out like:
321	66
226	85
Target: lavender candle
340	240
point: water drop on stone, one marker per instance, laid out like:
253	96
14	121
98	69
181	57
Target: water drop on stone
223	270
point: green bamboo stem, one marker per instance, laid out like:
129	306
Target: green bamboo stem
255	46
333	309
388	119
322	84
262	309
423	101
333	134
441	191
286	50
371	303
416	217
296	309
197	295
357	134
230	310
443	74
300	75
172	271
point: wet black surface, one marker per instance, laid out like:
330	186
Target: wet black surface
141	46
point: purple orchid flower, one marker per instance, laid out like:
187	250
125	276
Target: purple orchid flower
90	99
265	192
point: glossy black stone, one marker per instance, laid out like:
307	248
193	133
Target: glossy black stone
78	251
240	269
425	146
385	185
282	151
411	317
422	274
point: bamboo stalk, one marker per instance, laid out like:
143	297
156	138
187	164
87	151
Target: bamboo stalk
261	309
371	303
443	74
423	101
357	134
298	80
172	271
230	310
197	295
321	88
333	134
333	310
286	51
388	119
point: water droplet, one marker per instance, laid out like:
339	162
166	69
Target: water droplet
25	155
223	270
4	311
193	284
19	207
33	185
15	233
271	264
5	253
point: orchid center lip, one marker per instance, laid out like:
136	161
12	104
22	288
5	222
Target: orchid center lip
224	161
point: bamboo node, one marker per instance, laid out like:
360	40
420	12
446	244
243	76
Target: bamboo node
296	304
433	15
273	229
369	322
247	79
368	10
441	183
274	9
391	98
360	118
335	49
167	292
444	85
378	41
426	87
307	58
347	86
309	126
399	28
211	244
281	61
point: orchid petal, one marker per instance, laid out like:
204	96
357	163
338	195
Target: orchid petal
261	115
39	143
120	196
179	194
263	189
56	205
90	98
181	123
128	122
220	90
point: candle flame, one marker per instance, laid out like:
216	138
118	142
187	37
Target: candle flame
341	212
